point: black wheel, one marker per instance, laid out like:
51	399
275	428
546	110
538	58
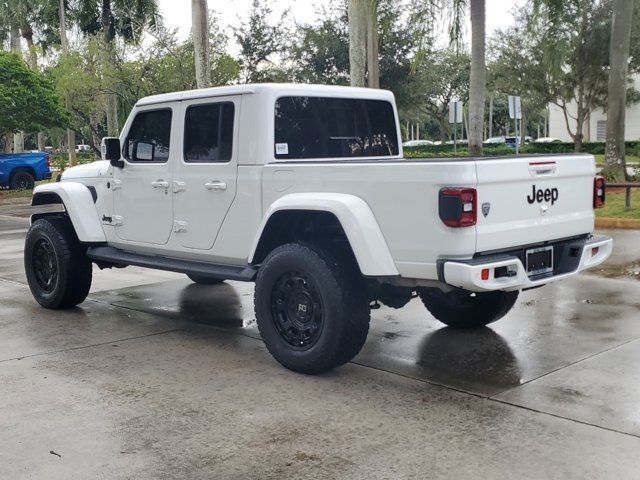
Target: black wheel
22	180
204	280
58	270
464	309
312	310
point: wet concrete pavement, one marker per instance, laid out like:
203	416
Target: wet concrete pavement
155	377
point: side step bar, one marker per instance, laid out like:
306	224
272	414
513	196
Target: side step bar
110	255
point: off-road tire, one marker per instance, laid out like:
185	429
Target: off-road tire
21	180
204	280
464	309
52	240
342	303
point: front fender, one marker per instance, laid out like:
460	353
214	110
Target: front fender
78	203
357	220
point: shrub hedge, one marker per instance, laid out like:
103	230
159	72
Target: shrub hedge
595	148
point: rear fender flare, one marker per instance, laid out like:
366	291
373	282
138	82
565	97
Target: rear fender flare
357	220
78	203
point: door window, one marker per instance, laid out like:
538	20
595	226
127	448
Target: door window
208	133
149	137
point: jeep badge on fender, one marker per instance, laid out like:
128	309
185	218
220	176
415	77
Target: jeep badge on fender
550	194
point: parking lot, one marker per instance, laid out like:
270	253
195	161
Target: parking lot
156	377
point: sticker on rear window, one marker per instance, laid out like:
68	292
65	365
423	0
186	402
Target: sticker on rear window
282	149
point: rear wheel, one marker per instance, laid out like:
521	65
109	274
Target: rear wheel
22	180
312	310
57	268
464	309
204	280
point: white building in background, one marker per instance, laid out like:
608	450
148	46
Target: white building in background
597	130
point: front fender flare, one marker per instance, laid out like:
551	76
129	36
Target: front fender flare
358	222
78	203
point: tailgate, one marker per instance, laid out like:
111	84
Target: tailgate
527	200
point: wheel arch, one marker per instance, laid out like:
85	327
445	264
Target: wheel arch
23	168
350	215
79	205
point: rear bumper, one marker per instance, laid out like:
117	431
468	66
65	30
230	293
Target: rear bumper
572	257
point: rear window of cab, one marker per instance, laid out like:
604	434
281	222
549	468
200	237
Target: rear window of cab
324	127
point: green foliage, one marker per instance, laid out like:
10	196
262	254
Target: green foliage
28	101
320	52
440	77
594	148
126	19
259	41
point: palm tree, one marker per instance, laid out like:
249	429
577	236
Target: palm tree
363	43
426	11
64	43
111	19
200	32
478	77
616	108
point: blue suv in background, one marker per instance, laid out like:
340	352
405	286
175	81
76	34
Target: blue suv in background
20	171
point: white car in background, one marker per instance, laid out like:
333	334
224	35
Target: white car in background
417	143
547	140
495	141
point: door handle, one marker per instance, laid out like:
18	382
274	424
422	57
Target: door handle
216	186
160	184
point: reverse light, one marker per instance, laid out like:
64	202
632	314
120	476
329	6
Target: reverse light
599	188
458	207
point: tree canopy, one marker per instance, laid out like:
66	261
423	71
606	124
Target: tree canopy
28	101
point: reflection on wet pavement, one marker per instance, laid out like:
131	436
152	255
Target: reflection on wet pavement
549	328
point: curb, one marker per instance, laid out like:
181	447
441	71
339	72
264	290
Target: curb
16	201
624	223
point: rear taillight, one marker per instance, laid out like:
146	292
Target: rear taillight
47	158
458	207
598	192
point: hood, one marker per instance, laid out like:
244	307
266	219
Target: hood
95	169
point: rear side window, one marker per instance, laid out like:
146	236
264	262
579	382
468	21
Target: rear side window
208	133
318	127
149	137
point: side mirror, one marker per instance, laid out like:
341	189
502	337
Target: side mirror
110	149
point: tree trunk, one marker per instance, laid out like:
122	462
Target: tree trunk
27	34
373	46
14	44
478	77
616	109
490	116
358	41
200	32
64	43
108	59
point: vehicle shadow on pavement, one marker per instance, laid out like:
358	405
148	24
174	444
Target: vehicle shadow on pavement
470	360
214	305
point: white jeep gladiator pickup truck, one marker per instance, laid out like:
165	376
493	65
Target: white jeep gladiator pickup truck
304	190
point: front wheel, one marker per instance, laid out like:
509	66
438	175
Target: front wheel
464	309
57	267
312	310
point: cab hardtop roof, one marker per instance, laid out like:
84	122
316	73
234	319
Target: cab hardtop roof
273	89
